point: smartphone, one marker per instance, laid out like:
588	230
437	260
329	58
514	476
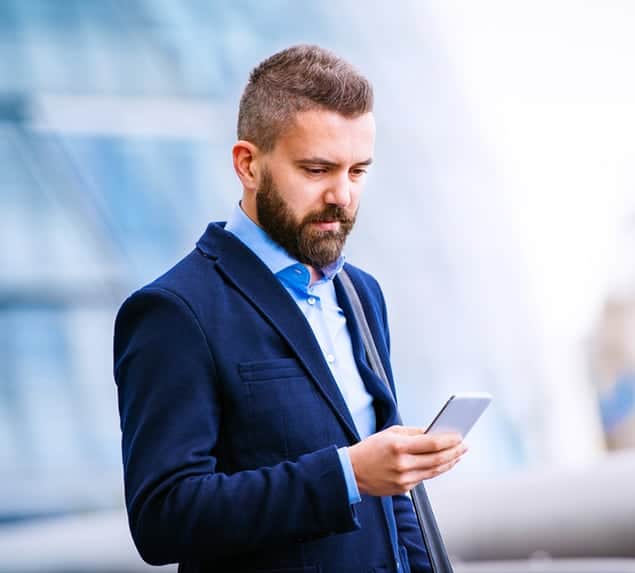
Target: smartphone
460	413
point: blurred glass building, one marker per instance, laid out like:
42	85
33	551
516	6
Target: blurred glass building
116	124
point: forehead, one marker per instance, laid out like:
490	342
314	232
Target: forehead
329	135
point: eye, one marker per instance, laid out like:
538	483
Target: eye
314	170
358	172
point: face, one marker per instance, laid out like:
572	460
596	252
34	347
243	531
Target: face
310	184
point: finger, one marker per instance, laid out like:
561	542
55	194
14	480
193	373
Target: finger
416	477
445	468
428	443
418	462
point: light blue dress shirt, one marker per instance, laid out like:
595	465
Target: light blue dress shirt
318	303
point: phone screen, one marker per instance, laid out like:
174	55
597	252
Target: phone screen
460	413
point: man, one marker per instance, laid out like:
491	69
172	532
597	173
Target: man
255	435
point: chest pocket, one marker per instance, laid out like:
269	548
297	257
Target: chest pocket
286	414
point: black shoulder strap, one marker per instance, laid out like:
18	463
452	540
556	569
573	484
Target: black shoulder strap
427	523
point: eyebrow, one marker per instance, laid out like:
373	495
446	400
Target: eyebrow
326	162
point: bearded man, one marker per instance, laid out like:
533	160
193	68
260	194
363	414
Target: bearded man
255	435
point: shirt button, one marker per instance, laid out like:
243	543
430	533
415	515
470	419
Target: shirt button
311	300
330	358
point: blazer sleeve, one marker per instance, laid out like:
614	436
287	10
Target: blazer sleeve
179	506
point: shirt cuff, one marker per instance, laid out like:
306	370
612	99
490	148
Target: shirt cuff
349	476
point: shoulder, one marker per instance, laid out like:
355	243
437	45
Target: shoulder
365	283
196	274
184	285
169	311
373	303
370	294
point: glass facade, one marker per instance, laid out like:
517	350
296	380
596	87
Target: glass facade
116	120
116	124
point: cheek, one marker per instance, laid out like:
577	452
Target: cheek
355	197
302	194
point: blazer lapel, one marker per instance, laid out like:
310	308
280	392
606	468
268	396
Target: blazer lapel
252	277
385	407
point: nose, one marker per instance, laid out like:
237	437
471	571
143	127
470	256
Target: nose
340	192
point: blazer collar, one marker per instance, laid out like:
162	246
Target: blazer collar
240	266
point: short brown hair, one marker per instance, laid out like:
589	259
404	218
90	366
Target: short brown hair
300	78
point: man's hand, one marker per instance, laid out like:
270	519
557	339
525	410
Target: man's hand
394	460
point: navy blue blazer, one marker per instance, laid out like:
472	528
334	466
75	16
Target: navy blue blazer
231	421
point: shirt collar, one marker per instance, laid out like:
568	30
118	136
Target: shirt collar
270	252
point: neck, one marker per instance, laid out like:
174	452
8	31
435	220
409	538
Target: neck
315	274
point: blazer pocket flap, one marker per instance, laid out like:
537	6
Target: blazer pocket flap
263	370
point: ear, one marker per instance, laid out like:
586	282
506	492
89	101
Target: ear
246	164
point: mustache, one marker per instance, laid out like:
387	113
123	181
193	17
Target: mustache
330	214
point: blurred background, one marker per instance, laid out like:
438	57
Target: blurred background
499	218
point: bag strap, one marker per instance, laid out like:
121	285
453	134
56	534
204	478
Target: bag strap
423	509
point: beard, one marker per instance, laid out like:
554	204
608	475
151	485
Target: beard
300	238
